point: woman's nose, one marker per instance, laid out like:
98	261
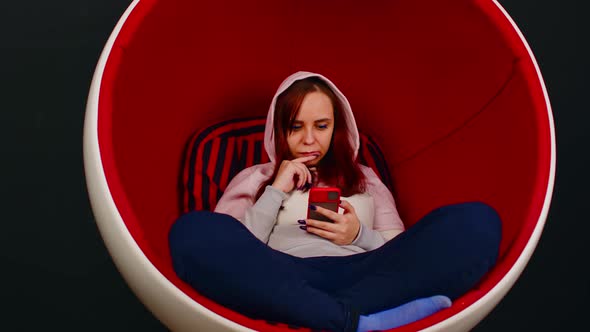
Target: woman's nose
308	137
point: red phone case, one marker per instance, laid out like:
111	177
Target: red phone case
328	198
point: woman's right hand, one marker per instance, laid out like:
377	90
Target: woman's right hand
293	174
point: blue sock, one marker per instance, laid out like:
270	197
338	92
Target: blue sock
404	314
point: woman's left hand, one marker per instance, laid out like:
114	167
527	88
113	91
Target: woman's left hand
342	231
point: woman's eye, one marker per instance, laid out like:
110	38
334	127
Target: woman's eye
323	126
295	127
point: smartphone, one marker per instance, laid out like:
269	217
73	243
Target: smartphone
328	198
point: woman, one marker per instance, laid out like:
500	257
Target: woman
259	255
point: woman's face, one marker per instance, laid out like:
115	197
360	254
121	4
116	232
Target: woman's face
313	127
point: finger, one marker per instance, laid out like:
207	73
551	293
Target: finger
327	226
328	213
348	208
295	170
304	168
307	174
314	175
300	179
302	173
305	158
286	174
310	176
320	232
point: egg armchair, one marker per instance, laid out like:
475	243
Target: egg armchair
449	90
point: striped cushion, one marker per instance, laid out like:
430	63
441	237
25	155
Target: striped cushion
217	153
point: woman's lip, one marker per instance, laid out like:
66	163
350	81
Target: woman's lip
310	153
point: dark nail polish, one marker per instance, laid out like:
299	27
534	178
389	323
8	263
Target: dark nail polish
303	227
301	221
312	207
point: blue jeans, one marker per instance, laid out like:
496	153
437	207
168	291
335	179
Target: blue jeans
445	253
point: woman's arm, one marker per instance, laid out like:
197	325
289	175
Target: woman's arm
370	239
386	221
260	219
238	201
260	216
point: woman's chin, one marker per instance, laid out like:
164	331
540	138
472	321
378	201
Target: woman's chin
311	163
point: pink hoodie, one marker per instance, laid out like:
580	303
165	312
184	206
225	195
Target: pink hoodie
240	192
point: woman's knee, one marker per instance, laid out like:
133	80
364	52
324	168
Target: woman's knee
192	229
187	223
204	227
191	236
479	224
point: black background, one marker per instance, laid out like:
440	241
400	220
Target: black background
56	273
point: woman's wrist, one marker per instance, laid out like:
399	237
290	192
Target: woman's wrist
276	192
357	235
279	186
368	238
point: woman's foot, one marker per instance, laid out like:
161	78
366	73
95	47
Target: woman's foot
404	314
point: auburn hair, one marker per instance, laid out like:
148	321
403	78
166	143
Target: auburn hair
338	167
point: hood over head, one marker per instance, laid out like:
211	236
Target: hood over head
269	142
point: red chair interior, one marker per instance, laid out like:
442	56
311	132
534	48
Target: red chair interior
446	88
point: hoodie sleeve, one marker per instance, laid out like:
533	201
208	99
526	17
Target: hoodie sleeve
239	194
261	217
386	215
368	239
238	201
